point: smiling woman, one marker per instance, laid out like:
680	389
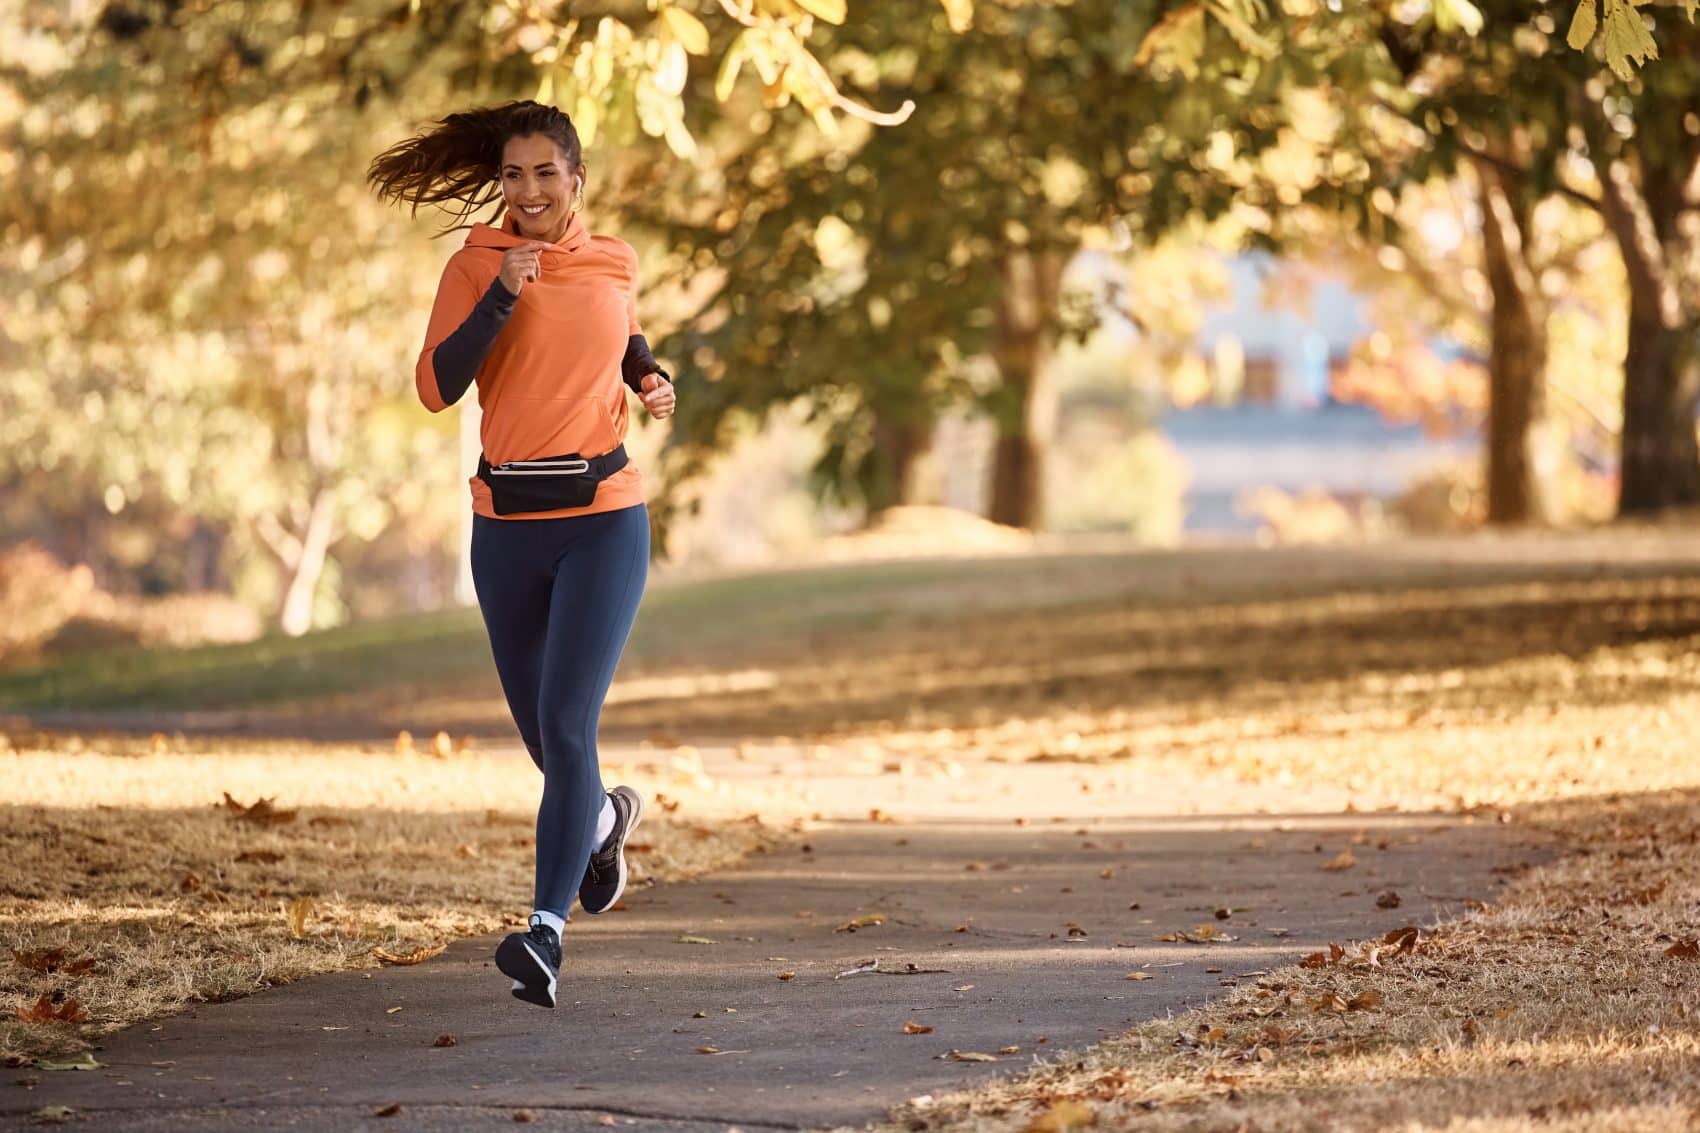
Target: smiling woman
542	316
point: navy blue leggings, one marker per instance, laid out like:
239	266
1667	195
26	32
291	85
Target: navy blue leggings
559	597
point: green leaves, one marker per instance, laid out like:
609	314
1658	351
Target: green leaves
1176	43
1627	42
689	30
1624	39
1583	25
832	11
1457	15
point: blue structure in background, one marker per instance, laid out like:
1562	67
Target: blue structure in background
1275	423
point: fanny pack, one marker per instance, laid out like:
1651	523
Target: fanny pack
548	483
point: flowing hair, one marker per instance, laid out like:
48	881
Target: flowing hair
456	164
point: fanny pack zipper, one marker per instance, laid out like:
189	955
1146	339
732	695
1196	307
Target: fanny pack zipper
540	467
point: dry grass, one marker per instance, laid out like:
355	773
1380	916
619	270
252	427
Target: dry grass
131	887
1573	1003
1568	703
1559	1009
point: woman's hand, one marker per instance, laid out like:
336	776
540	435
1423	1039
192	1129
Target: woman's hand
657	396
520	264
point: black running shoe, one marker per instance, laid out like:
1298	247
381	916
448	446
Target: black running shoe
605	876
533	960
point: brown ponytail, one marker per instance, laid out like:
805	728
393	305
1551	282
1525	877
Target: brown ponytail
457	163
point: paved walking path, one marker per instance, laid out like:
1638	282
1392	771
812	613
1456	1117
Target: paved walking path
995	935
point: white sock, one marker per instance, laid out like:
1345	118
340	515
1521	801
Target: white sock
604	822
552	920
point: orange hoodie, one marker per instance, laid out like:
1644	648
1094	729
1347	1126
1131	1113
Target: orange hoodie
551	383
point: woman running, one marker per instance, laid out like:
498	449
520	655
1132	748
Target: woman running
542	316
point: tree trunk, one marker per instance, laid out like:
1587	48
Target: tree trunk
896	459
1660	464
308	565
1025	406
1517	356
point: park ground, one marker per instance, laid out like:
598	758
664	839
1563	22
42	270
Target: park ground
199	825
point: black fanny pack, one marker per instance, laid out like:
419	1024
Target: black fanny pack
548	483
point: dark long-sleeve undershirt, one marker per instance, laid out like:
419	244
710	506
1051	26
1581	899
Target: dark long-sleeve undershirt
638	363
457	358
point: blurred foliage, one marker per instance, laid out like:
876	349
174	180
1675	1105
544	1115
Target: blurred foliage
874	274
208	325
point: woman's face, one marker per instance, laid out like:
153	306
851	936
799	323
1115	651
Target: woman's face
538	186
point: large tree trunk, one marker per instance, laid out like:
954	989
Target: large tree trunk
1517	356
899	446
1660	466
1025	407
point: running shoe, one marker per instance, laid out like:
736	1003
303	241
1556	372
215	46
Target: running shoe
605	875
533	960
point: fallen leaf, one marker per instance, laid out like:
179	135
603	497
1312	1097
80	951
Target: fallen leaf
1137	976
696	940
1388	900
968	1056
1645	896
417	956
1364	1001
40	959
1405	938
261	813
708	1050
53	1114
787	975
867	920
45	1012
1203	934
913	1028
1684	950
445	1039
963	987
1344	860
387	1110
1315	960
524	1116
391	1010
83	1061
1009	1050
299	910
1061	1118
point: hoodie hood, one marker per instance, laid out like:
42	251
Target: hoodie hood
503	238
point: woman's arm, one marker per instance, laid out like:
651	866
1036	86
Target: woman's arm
638	363
463	326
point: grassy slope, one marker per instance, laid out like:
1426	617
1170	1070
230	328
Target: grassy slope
708	620
450	644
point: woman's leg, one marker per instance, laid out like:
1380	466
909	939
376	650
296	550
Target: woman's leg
599	580
513	574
